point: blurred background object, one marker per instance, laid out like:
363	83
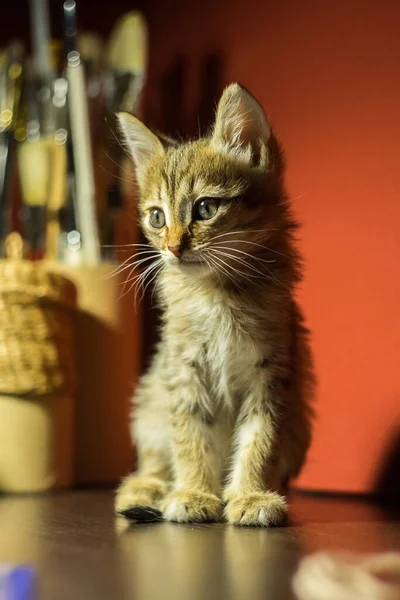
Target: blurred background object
63	215
327	75
38	374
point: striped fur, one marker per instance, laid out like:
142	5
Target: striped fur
222	419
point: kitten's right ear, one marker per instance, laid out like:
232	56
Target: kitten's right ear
241	128
142	144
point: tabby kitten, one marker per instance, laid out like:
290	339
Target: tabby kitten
222	417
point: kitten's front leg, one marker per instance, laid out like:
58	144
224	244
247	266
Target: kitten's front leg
251	495
196	455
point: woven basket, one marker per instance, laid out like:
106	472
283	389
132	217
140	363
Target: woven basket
36	331
37	370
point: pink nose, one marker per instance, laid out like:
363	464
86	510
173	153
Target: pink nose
176	250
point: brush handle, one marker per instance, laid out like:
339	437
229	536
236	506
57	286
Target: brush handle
57	199
41	36
3	195
81	142
10	89
7	148
70	30
83	162
35	219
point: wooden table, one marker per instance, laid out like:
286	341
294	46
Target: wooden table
82	553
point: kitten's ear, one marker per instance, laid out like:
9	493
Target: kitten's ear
142	144
241	127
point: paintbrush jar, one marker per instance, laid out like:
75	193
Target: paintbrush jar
108	334
37	377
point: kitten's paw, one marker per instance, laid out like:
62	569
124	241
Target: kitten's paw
261	509
138	497
185	506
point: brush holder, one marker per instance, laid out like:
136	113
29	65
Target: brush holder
108	335
37	375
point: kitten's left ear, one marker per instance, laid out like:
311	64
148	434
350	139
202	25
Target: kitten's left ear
241	127
142	144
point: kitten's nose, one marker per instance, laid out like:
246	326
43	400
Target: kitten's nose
176	250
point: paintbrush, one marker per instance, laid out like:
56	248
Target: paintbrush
81	142
35	155
4	145
34	165
40	28
70	238
11	64
34	161
91	50
58	180
126	62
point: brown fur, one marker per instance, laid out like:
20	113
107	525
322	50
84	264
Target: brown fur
223	414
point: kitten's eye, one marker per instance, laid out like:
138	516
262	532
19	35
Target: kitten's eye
206	208
157	218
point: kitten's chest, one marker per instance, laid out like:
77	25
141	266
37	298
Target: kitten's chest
224	336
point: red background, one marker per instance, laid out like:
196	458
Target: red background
328	75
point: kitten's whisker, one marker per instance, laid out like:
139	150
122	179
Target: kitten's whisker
146	266
137	255
136	287
294	199
269	274
149	282
125	283
116	269
130	279
210	266
227	265
119	142
254	244
114	176
242	275
217	271
155	286
140	284
140	252
133	264
135	279
144	253
284	202
127	246
236	276
134	267
219	268
263	260
140	277
242	262
213	259
121	294
242	231
117	165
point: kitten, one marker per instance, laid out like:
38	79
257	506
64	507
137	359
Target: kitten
222	418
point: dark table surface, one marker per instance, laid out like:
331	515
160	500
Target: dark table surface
82	552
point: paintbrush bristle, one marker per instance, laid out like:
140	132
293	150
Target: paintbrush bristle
34	161
90	46
127	49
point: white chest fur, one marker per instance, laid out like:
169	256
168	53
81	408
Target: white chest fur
223	333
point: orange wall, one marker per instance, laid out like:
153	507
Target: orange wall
328	75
